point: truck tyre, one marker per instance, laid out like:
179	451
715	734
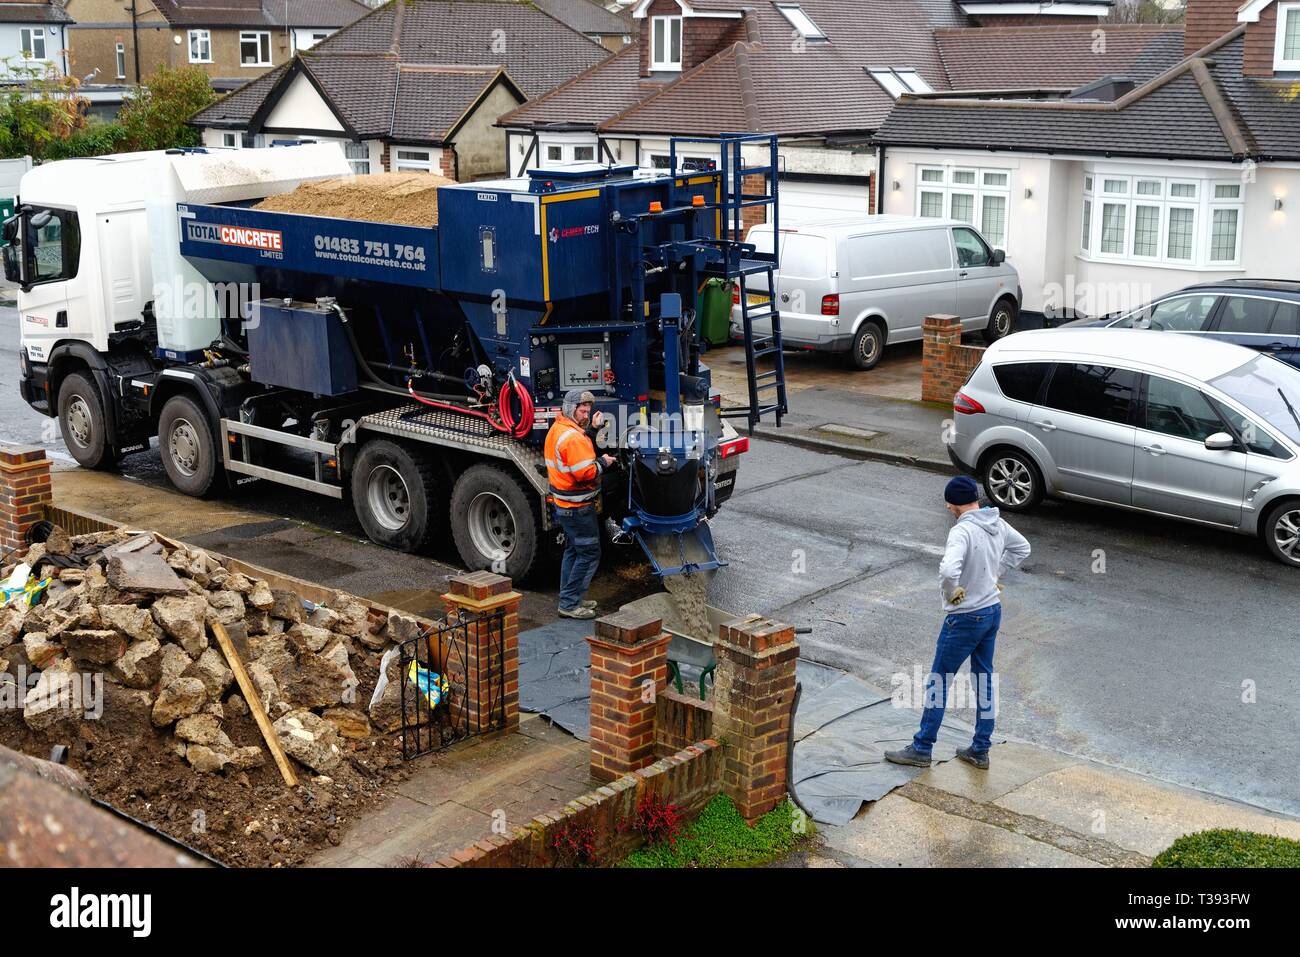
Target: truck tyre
868	346
1001	321
82	422
188	447
397	496
496	521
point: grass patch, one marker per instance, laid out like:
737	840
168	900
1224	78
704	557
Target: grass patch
1230	848
719	837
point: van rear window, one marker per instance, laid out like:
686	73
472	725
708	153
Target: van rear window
1021	380
802	256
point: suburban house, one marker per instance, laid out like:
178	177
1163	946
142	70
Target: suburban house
611	30
823	74
413	85
33	35
231	40
1142	182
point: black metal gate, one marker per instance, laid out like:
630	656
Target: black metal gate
453	682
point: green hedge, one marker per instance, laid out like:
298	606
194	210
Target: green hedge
1229	848
719	837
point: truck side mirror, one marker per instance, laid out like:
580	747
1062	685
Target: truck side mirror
11	252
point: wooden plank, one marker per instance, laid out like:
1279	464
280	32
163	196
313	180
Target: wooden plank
254	703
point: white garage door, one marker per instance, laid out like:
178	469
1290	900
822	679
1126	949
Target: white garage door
805	200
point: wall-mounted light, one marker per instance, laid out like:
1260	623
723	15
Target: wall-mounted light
897	186
1277	204
1029	194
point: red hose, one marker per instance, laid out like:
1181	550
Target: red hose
508	424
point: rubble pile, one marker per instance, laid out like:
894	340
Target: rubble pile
139	611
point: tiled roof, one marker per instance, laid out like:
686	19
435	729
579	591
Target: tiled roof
573	102
260	13
587	17
1046	57
411	68
33	13
1202	108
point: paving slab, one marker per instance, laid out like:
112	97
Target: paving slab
1133	812
898	832
1011	765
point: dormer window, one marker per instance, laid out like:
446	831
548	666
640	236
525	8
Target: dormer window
899	80
1286	56
665	43
801	22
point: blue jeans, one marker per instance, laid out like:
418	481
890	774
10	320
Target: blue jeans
968	635
581	553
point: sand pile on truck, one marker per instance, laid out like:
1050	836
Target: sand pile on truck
118	660
405	199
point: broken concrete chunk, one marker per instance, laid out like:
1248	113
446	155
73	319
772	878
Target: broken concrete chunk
324	617
287	606
308	637
261	597
132	621
402	628
40	649
309	740
210	668
180	699
248	758
204	759
236	705
141	666
198	729
267	688
55	699
349	722
183	619
58	542
147	574
172	663
142	544
226	607
98	647
313	682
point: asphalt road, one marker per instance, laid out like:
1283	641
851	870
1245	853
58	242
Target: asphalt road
1150	645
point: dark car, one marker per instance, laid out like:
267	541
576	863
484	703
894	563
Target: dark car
1261	314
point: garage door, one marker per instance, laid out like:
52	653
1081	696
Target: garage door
806	200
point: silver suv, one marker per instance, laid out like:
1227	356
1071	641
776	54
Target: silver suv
1174	425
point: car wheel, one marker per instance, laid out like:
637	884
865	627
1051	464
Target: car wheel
81	420
868	346
1012	481
1281	531
1001	321
496	521
396	495
189	452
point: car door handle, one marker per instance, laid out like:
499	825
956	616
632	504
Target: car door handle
1046	426
1274	347
1154	449
962	274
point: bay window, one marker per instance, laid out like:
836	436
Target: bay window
979	197
1165	220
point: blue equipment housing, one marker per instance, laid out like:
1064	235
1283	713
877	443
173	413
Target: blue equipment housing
566	278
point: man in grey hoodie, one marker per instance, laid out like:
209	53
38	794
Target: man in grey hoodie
981	548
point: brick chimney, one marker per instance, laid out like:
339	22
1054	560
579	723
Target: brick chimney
1206	21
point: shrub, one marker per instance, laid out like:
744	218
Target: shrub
1230	848
719	837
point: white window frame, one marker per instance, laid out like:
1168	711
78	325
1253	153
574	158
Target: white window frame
28	38
263	40
204	38
1120	187
947	186
409	164
358	155
802	22
230	140
120	53
668	24
1280	63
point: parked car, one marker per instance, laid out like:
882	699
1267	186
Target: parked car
1260	314
853	286
1172	425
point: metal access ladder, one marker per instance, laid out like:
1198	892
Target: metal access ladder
740	260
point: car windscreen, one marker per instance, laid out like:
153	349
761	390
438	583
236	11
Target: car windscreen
1270	389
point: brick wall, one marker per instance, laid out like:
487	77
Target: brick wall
946	364
688	779
1030	20
24	493
754	185
680	719
1261	37
702	35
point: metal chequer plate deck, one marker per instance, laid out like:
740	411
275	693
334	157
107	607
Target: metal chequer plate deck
458	431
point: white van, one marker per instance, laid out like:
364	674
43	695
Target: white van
854	285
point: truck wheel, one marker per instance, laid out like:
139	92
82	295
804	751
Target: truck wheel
188	447
1001	321
81	420
397	496
496	521
868	346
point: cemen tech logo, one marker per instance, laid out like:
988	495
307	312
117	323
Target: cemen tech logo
555	235
77	910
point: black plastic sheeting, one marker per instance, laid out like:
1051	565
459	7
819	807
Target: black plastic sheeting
842	728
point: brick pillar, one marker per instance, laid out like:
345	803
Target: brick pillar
752	692
488	653
940	335
627	650
447	162
754	184
24	493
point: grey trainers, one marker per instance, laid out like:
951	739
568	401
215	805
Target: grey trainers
978	759
582	611
587	603
909	755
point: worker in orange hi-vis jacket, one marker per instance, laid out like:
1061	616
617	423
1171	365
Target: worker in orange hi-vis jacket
574	469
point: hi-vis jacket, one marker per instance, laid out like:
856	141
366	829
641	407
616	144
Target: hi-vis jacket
571	465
